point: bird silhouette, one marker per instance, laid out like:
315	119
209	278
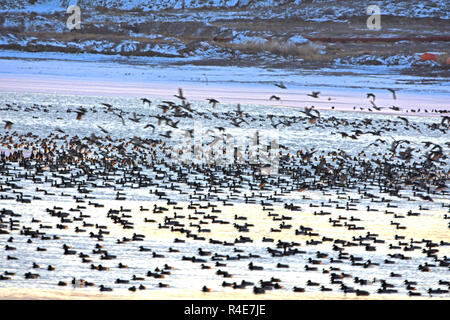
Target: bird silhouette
394	96
8	124
314	94
80	113
274	97
103	129
180	94
145	100
309	114
150	125
281	85
213	102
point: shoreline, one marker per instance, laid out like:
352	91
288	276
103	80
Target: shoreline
342	89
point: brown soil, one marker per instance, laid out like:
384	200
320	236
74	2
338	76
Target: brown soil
115	26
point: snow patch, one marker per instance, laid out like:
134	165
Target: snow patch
297	40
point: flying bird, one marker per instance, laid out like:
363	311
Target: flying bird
150	125
180	94
314	94
8	124
103	129
108	106
393	93
405	120
213	102
309	114
238	110
445	119
121	118
80	113
166	135
145	100
281	85
135	118
371	95
173	124
396	143
164	107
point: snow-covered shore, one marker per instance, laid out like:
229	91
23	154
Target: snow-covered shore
157	78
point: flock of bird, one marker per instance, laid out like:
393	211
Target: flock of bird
110	191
